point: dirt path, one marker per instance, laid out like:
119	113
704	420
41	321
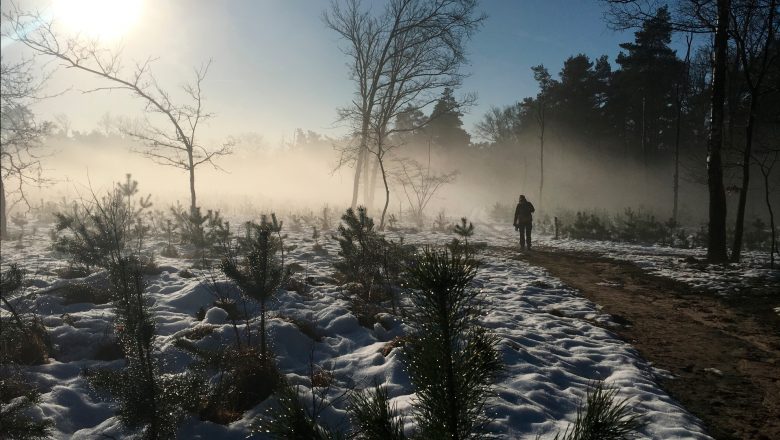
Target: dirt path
724	354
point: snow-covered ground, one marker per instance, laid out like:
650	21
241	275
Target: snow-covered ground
553	344
686	265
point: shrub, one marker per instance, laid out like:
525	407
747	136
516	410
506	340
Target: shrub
461	245
203	232
104	231
290	419
440	223
373	418
244	378
148	399
259	272
73	293
317	248
602	417
451	360
759	235
17	396
169	230
639	226
23	339
588	225
371	265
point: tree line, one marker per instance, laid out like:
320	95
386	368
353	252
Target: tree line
715	108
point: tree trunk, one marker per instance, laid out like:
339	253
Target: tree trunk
682	91
366	181
358	169
541	159
3	218
372	185
387	193
736	249
716	247
262	331
773	245
191	169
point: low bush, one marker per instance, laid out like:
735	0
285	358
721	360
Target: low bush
242	378
588	225
17	396
74	293
371	267
148	399
27	344
23	338
602	416
103	231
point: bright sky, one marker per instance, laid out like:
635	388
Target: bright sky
276	67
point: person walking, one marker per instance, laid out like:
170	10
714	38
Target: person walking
523	221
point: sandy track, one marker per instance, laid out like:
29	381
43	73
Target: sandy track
723	354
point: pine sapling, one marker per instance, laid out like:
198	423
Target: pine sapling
603	417
258	273
464	230
451	359
148	400
373	417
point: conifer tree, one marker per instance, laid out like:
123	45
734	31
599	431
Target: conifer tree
373	417
360	249
17	395
148	399
465	230
258	272
100	233
602	417
451	360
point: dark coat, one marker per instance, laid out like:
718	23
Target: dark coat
523	213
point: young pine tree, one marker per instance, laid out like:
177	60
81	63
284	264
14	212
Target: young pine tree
603	417
148	400
258	272
361	249
451	360
373	418
21	343
464	230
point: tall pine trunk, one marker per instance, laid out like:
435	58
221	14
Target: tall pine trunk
773	245
736	249
716	247
682	92
3	215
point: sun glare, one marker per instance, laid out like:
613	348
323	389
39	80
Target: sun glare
103	19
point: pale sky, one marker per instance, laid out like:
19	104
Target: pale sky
277	68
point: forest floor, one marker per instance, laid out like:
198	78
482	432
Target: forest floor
722	352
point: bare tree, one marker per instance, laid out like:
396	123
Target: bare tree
420	184
399	59
20	135
542	76
766	161
366	48
170	139
754	26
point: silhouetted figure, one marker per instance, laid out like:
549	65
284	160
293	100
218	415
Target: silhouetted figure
523	221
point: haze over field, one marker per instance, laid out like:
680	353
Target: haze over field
278	73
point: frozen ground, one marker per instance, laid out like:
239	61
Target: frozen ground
686	265
552	344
